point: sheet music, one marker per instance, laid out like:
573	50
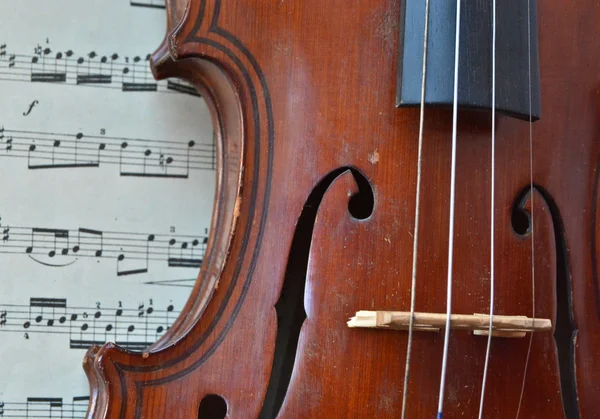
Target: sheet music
107	185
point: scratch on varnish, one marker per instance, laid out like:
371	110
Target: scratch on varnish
374	157
236	208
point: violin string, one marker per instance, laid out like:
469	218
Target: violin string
417	212
451	220
492	217
531	218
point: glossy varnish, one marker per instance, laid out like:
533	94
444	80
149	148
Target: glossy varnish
304	91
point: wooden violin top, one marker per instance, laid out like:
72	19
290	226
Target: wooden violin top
316	208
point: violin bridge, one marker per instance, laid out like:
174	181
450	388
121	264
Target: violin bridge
502	326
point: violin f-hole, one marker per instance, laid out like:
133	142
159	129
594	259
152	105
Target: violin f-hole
565	331
291	312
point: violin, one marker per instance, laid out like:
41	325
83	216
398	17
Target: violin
406	220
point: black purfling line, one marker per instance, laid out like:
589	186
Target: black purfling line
254	191
263	218
270	150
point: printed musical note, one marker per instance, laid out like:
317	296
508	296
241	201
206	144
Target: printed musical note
92	181
39	314
50	405
89	75
180	86
42	236
129	74
91	240
134	156
132	328
7	140
40	72
133	252
185	257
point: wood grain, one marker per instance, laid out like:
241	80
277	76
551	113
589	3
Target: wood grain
300	89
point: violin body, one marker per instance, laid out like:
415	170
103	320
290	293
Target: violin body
314	220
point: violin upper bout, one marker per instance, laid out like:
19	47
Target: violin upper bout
225	73
102	389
